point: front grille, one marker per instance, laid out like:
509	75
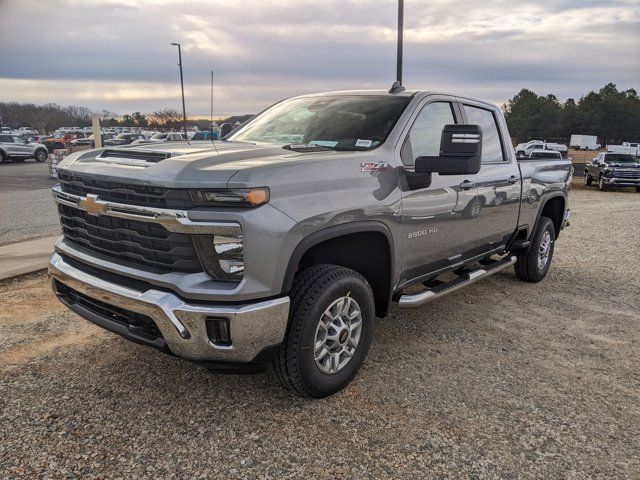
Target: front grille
129	194
136	322
144	243
627	174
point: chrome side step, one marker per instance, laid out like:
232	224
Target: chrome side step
420	298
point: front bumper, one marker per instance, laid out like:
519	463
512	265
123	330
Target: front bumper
621	181
254	326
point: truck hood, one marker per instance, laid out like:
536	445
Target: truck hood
176	164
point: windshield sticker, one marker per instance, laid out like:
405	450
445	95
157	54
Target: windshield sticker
305	147
363	143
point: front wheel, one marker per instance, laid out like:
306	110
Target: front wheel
329	333
601	185
533	262
588	179
41	156
473	209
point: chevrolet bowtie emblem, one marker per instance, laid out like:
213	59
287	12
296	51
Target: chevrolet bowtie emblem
90	205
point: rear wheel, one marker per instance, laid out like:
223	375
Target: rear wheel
3	157
533	262
588	179
329	333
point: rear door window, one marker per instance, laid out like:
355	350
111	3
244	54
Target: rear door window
491	143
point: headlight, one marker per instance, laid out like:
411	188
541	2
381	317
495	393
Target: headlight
238	197
222	254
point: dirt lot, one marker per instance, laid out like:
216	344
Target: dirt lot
500	380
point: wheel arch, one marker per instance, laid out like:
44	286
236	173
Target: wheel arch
552	207
366	247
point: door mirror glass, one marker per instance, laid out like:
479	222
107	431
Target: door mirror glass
225	128
460	152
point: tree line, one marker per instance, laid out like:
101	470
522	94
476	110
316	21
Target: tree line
48	118
612	115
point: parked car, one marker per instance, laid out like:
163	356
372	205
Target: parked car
613	170
17	149
7	130
260	251
584	142
161	138
629	148
524	150
204	135
550	154
124	139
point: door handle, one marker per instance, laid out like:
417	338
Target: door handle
513	179
467	185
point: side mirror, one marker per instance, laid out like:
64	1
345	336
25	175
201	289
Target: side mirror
225	128
460	152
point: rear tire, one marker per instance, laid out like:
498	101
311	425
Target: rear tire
3	157
533	262
329	304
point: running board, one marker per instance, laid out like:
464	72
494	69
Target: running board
420	298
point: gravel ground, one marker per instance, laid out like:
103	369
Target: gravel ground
500	380
27	209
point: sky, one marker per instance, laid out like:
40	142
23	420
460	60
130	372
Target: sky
116	54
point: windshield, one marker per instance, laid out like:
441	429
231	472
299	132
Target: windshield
123	136
620	158
336	122
158	136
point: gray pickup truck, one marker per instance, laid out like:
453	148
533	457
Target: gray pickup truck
280	244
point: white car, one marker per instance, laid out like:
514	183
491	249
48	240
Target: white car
161	138
627	148
523	151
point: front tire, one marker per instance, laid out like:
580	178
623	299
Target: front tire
533	262
329	333
473	209
588	179
601	185
41	156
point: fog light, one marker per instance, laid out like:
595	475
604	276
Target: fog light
219	331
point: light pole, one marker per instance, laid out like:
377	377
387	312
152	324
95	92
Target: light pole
184	110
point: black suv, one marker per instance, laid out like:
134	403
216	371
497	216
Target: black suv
613	170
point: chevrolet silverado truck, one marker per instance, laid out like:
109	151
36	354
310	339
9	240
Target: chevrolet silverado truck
613	170
280	244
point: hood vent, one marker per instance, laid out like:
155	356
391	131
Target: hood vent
134	155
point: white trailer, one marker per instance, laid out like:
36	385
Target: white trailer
584	142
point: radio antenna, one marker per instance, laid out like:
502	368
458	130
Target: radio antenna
397	85
211	117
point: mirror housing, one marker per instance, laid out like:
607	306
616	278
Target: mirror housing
460	152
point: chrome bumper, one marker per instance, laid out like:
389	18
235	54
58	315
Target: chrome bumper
253	327
622	182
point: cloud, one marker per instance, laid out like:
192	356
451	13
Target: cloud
115	54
